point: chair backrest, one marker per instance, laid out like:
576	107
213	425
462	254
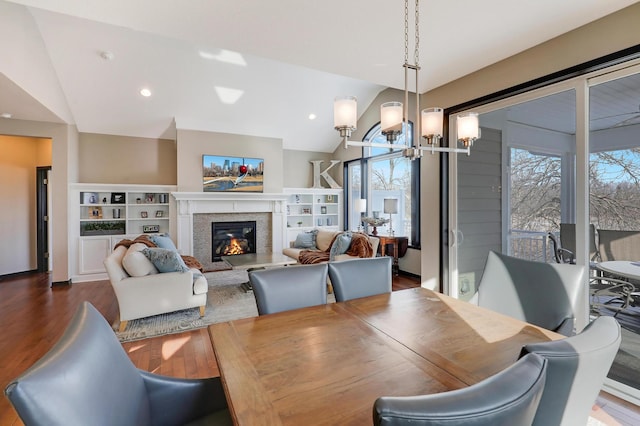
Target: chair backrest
360	277
568	239
544	294
577	367
289	287
510	397
86	375
619	245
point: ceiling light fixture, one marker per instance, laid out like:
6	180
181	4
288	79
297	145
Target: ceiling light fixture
394	114
145	92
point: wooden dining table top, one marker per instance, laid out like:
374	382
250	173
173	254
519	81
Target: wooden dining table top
326	365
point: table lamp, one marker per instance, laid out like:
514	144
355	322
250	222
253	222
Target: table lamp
391	207
360	206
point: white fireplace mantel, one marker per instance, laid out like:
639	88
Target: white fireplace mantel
190	203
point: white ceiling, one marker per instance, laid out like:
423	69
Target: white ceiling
289	58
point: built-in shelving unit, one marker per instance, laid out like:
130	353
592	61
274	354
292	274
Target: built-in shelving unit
105	214
309	208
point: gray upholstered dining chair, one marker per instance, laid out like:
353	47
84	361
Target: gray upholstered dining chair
360	277
289	287
543	294
577	367
87	378
510	397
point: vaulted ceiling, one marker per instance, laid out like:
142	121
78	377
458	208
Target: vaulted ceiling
250	67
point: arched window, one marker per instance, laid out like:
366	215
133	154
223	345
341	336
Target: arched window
380	174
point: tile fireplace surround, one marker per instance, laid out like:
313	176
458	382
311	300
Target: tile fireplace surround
196	211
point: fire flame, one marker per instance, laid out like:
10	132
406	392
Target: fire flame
234	247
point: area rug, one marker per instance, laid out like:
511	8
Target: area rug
226	301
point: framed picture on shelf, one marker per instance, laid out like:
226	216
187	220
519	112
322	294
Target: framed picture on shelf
159	213
117	198
95	212
323	209
330	198
150	228
306	210
144	214
89	198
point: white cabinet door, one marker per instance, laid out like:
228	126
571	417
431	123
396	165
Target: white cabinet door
93	251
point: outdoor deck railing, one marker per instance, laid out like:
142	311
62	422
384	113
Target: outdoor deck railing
530	245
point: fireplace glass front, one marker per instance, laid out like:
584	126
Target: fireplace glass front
232	238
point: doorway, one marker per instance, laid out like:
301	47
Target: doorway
43	219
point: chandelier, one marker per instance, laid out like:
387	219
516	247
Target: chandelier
394	117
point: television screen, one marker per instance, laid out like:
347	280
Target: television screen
224	173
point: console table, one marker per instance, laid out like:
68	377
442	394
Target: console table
397	243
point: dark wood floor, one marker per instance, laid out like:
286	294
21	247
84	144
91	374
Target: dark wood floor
35	315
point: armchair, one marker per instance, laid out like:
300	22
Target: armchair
153	294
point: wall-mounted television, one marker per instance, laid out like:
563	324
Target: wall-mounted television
240	174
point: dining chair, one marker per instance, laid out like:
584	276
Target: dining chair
543	294
289	287
577	367
87	378
564	250
510	397
360	277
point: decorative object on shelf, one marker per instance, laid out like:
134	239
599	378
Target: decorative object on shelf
117	198
394	116
95	212
375	222
148	198
150	228
138	200
300	223
330	198
144	214
89	197
104	200
391	208
163	198
323	209
116	213
306	210
223	173
297	199
360	206
329	221
102	228
159	213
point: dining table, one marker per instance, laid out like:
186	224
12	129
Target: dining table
327	364
622	268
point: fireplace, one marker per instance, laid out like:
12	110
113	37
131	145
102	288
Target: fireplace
232	238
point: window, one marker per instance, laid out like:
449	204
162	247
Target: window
385	173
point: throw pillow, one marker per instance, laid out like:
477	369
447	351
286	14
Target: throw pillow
136	263
306	240
340	245
165	260
163	241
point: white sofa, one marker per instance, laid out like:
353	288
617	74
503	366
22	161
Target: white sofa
323	243
155	293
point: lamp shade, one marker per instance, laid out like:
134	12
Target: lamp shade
432	122
467	125
391	205
391	116
360	205
345	112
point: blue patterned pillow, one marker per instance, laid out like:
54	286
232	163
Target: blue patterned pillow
165	260
306	240
340	245
163	241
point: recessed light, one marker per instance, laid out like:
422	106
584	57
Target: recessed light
312	116
107	56
6	115
145	92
